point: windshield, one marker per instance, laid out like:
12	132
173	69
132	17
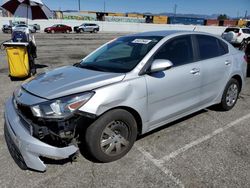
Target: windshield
120	55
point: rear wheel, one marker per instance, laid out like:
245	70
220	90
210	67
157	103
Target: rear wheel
95	31
67	31
112	135
52	31
230	95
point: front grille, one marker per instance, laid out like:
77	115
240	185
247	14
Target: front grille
14	151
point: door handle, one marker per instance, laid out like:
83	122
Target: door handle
195	71
227	62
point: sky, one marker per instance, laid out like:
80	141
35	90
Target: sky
233	8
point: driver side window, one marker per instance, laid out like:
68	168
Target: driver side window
178	50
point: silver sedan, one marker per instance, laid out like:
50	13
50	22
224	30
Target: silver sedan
125	88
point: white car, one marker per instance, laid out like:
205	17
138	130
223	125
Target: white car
31	28
236	35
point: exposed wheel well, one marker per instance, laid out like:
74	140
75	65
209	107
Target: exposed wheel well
238	78
135	114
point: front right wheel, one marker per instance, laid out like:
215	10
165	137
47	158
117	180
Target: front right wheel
112	135
230	95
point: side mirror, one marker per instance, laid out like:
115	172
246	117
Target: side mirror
160	65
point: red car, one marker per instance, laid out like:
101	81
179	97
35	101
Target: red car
58	28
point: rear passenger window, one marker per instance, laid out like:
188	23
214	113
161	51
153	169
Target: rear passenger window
210	47
223	47
178	50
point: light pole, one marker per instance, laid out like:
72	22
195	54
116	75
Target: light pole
104	6
175	10
79	4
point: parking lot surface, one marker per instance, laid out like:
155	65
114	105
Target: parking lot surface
207	149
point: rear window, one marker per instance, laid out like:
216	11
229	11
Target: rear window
235	30
210	47
223	47
246	31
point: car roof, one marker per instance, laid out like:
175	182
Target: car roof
165	33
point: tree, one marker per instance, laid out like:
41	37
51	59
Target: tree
222	17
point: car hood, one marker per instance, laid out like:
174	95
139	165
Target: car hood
69	80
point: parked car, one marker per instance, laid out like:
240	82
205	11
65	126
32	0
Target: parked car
20	26
7	28
58	28
236	35
36	27
125	88
87	27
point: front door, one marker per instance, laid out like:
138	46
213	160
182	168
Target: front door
175	91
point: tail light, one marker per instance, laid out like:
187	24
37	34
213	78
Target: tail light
239	34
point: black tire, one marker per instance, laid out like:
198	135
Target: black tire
115	124
81	31
95	31
32	72
227	104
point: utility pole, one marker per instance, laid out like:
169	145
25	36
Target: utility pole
246	15
104	6
175	10
79	4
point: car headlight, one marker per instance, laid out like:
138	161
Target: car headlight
62	107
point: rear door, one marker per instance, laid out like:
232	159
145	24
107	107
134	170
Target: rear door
215	64
175	91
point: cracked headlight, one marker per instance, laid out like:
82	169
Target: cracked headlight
62	107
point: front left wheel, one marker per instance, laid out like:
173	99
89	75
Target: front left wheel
112	135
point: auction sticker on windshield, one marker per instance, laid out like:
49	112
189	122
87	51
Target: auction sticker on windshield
141	41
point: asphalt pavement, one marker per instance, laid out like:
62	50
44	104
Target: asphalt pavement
207	149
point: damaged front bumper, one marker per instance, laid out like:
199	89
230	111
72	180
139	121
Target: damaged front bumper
26	149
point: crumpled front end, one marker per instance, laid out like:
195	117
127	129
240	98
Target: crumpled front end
25	148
